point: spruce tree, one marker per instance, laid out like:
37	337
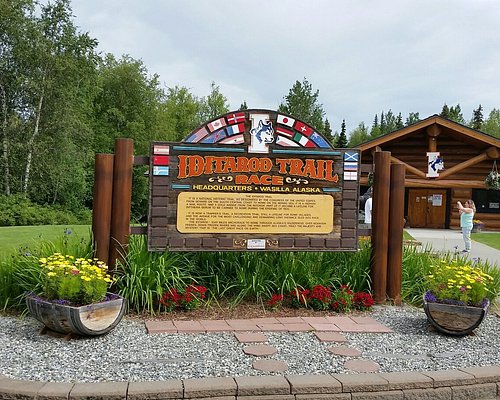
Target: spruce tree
342	139
477	118
445	112
328	131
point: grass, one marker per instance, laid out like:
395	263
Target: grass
491	239
15	238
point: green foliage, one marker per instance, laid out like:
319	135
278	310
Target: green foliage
328	131
145	276
492	123
20	272
17	210
341	141
359	135
302	102
214	104
477	118
453	113
182	113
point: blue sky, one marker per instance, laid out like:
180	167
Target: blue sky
364	56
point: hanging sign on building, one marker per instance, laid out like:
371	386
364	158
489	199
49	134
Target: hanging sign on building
253	180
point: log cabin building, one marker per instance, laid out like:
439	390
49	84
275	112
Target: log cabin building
445	162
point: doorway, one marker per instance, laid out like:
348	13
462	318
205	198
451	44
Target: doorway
427	208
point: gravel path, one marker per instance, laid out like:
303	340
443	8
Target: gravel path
128	353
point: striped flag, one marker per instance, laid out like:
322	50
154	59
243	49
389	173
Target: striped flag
234	129
237	139
283	131
158	149
235	118
215	137
285	142
161	171
303	141
284	120
197	136
217	124
350	166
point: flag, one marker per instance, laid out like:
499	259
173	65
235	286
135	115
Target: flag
303	141
303	128
284	120
319	140
160	171
160	160
350	166
283	131
234	129
237	139
235	118
197	136
350	156
217	124
215	137
350	176
285	142
158	149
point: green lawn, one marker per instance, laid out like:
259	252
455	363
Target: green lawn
20	237
491	239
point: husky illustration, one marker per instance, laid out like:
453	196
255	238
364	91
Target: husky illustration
435	164
261	135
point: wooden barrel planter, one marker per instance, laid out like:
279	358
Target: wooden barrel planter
88	320
454	319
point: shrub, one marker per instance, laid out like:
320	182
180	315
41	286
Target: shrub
188	299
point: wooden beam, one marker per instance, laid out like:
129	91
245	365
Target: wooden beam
463	165
380	225
433	130
444	183
408	167
431	144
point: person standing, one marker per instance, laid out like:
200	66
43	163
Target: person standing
466	212
368	211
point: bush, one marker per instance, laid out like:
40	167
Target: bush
17	210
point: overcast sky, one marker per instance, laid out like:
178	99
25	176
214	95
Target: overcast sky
364	56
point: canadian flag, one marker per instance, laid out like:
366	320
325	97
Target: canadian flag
217	124
284	120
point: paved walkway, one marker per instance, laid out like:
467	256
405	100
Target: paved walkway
252	332
449	240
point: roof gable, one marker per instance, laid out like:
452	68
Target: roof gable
423	125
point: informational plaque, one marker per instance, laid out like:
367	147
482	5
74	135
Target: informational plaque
253	180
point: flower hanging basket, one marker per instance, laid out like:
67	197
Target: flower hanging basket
492	181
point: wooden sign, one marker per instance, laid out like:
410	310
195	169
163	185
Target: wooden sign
253	180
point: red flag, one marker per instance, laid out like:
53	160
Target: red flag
303	128
217	124
235	118
160	160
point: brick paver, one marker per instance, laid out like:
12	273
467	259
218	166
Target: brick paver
270	365
260	350
271	324
250	337
330	337
344	351
362	365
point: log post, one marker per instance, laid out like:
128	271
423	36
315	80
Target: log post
101	206
122	199
380	222
396	225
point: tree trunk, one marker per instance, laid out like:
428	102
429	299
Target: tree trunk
5	142
31	143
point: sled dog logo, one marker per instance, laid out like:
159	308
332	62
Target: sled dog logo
261	134
435	164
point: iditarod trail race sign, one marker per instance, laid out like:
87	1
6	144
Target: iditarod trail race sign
253	180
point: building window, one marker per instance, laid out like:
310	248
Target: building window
487	201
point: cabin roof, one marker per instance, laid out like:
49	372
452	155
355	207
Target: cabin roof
469	134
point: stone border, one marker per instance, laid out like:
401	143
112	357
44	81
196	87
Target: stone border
466	383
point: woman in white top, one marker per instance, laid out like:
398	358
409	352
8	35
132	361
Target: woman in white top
466	212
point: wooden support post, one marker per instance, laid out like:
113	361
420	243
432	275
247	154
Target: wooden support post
101	206
380	224
396	224
122	199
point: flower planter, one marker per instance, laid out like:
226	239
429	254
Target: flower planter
89	320
454	319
